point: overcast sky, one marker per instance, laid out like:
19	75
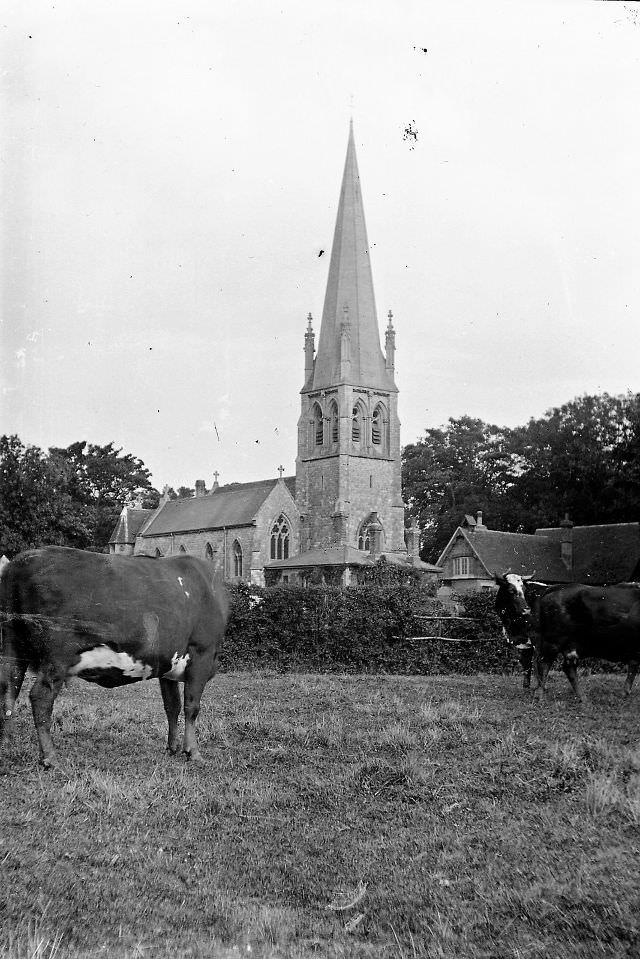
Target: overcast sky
171	172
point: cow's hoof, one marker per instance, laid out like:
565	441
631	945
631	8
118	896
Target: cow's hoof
49	762
195	758
172	750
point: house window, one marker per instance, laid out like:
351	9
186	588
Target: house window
280	538
462	566
237	559
334	422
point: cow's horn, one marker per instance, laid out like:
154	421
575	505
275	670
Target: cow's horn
530	576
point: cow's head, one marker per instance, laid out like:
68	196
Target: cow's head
512	607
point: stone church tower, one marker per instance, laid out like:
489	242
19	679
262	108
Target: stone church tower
348	471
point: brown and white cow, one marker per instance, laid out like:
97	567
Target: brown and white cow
111	620
514	610
575	621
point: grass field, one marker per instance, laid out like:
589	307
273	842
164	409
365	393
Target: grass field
360	816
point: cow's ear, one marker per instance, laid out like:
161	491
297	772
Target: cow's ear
500	580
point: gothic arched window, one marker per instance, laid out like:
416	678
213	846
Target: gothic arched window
208	553
357	417
182	549
318	426
333	417
280	538
363	537
236	552
158	552
377	426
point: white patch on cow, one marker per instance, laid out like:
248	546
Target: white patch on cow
178	666
516	582
186	592
103	657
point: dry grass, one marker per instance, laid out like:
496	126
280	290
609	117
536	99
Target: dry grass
338	816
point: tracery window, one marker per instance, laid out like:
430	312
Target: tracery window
363	538
280	533
236	552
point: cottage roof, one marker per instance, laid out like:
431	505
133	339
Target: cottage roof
233	505
349	299
523	553
609	553
129	524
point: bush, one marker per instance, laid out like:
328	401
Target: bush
361	629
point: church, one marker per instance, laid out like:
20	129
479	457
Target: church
343	509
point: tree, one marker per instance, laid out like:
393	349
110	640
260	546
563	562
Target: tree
101	480
460	469
36	503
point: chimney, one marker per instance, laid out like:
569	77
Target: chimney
479	524
165	495
566	542
375	536
200	488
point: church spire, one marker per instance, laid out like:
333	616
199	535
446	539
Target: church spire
350	293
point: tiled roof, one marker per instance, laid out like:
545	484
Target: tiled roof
602	554
129	525
523	553
232	505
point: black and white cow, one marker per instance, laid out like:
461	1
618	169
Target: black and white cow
111	620
514	600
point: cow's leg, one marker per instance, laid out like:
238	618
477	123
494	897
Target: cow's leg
171	699
43	695
544	664
570	669
526	659
196	677
632	671
12	672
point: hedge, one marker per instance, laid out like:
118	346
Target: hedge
360	629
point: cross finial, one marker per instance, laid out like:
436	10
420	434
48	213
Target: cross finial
280	471
390	319
216	474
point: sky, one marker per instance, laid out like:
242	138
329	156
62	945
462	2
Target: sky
170	172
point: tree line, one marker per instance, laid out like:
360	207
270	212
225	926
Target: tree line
580	459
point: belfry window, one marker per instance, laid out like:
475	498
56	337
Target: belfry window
356	424
335	430
280	538
237	559
318	426
376	427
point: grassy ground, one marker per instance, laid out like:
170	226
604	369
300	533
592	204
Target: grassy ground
337	816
